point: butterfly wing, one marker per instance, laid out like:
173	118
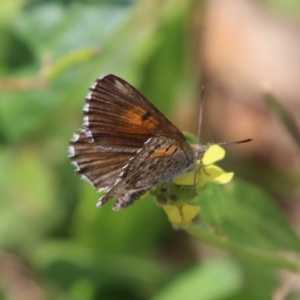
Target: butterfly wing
117	121
160	159
95	164
118	115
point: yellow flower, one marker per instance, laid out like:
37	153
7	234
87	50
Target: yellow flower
207	170
180	212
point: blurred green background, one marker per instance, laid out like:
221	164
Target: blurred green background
54	243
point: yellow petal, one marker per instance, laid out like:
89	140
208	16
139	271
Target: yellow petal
180	215
173	213
188	213
185	179
216	174
213	154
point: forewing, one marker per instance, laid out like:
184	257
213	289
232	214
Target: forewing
118	115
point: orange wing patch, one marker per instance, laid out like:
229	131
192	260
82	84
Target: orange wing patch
141	117
134	116
151	123
164	150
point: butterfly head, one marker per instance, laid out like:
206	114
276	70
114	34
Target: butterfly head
199	150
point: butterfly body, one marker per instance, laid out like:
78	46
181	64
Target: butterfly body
127	145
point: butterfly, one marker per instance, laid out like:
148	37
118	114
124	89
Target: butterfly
126	145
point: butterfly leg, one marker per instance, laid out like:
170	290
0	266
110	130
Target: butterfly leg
169	182
196	174
204	170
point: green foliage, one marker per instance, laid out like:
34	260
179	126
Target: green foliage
239	210
200	282
50	53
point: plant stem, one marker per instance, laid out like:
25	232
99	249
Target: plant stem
248	253
69	60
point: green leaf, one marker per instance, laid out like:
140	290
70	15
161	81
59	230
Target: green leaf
27	202
210	202
211	280
129	231
252	218
67	265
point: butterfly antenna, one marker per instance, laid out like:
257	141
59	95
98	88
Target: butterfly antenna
234	142
200	115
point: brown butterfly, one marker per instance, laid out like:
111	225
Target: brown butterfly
127	145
